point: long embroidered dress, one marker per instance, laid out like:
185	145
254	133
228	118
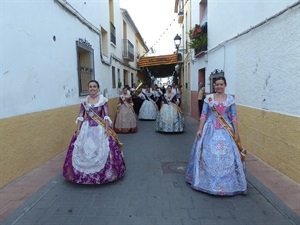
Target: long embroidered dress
170	118
125	121
93	157
215	166
148	110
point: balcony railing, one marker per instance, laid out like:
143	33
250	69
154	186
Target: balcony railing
200	51
180	17
128	50
112	34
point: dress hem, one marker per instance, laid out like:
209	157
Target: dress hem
163	131
90	183
126	130
218	193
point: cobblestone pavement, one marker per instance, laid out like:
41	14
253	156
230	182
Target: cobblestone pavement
153	192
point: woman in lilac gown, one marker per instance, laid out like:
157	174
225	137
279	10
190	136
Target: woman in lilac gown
94	155
215	164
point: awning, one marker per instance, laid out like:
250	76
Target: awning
158	66
158	60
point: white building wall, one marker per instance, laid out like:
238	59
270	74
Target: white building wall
190	72
222	59
196	65
228	18
39	73
268	65
96	12
117	50
193	7
262	66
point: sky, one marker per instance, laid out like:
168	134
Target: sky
155	22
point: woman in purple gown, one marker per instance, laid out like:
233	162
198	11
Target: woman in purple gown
94	155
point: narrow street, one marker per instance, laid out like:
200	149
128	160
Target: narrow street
153	192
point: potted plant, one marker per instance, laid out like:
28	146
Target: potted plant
119	84
197	30
198	42
194	31
199	39
195	43
191	31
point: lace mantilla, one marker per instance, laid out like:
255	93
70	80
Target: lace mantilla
102	101
210	100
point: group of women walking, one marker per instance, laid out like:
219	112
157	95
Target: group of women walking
162	106
216	165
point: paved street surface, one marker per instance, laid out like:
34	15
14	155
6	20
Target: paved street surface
153	192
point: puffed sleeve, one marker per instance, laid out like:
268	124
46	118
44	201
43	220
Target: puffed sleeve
205	111
233	113
141	95
105	113
232	110
81	114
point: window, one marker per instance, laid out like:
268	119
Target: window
113	73
111	11
203	11
112	21
119	79
128	50
85	64
125	77
112	34
104	42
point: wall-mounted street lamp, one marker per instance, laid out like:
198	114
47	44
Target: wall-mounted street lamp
177	41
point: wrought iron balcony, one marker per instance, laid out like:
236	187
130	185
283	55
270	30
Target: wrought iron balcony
200	51
128	50
180	17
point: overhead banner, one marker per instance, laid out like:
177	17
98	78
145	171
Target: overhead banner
158	60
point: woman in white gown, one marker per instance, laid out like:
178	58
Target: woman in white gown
149	109
170	117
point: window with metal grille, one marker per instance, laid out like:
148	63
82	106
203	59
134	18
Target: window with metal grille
113	73
85	64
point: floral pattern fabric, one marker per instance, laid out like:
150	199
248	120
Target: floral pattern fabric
148	110
92	157
215	166
125	121
169	119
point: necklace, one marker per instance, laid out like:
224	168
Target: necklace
93	97
220	95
